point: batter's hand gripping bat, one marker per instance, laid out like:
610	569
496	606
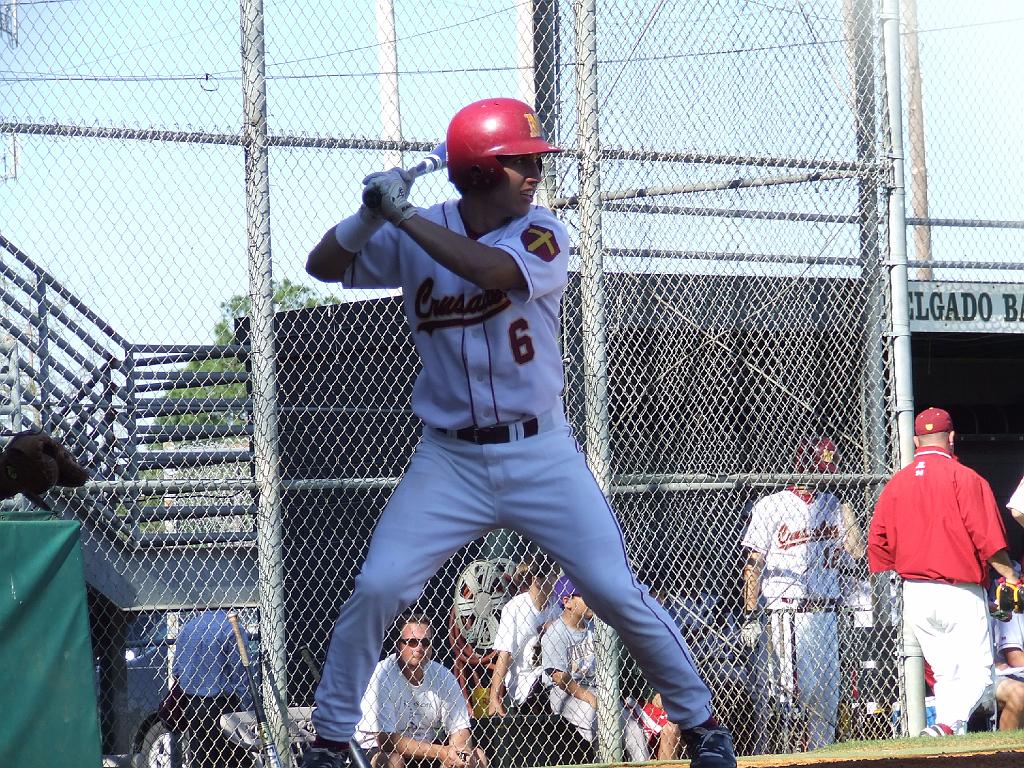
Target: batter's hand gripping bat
269	748
434	161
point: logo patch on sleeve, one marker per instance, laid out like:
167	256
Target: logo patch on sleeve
540	241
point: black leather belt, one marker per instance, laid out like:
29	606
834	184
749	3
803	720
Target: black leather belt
499	433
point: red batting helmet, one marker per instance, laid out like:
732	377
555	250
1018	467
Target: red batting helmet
817	454
488	129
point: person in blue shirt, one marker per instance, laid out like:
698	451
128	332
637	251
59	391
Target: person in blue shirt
208	669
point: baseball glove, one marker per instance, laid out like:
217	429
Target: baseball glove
33	462
1010	598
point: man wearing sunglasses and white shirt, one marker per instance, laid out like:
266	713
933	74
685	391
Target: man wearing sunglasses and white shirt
410	698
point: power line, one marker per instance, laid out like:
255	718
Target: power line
26	77
45	76
405	38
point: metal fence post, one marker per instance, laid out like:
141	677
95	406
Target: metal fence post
595	362
901	352
42	302
269	525
131	446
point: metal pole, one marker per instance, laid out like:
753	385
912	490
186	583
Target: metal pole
915	130
858	18
131	448
46	390
538	85
858	15
526	47
901	351
546	90
269	528
387	78
902	362
595	364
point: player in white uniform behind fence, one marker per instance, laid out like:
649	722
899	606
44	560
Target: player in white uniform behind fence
797	540
482	279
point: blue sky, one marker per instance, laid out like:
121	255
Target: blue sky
152	234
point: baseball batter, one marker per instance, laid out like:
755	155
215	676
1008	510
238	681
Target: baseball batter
797	541
482	278
937	525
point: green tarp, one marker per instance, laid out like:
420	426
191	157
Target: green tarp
47	689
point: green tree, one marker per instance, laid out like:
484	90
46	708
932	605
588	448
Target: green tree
287	295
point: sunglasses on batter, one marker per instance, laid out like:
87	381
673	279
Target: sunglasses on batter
415	642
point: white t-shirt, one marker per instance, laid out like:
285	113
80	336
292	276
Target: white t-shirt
802	545
519	635
1017	500
392	704
570	650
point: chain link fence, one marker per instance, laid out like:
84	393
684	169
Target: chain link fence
726	182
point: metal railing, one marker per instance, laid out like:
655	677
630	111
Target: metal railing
126	412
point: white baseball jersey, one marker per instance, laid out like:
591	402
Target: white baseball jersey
802	544
499	348
519	635
392	704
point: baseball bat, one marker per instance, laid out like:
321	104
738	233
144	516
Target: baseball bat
269	748
307	658
434	161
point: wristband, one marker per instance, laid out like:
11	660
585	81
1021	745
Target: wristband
355	231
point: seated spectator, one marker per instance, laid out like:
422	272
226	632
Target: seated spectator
409	701
663	736
567	652
208	670
517	670
1008	637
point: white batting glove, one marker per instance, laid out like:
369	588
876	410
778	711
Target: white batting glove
750	633
392	174
391	187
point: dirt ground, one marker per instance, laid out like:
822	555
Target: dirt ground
1004	749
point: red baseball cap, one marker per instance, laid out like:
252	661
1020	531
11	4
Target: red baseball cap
932	420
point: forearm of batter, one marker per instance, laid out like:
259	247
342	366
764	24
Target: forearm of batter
486	267
752	571
328	260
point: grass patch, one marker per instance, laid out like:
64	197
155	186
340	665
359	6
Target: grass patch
989	741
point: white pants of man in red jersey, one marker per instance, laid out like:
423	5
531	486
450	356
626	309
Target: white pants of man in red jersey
952	626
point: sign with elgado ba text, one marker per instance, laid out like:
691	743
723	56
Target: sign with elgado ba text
966	307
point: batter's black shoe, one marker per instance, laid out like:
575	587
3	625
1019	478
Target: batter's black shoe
710	747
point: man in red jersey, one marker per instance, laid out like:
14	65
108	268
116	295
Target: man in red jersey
937	525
